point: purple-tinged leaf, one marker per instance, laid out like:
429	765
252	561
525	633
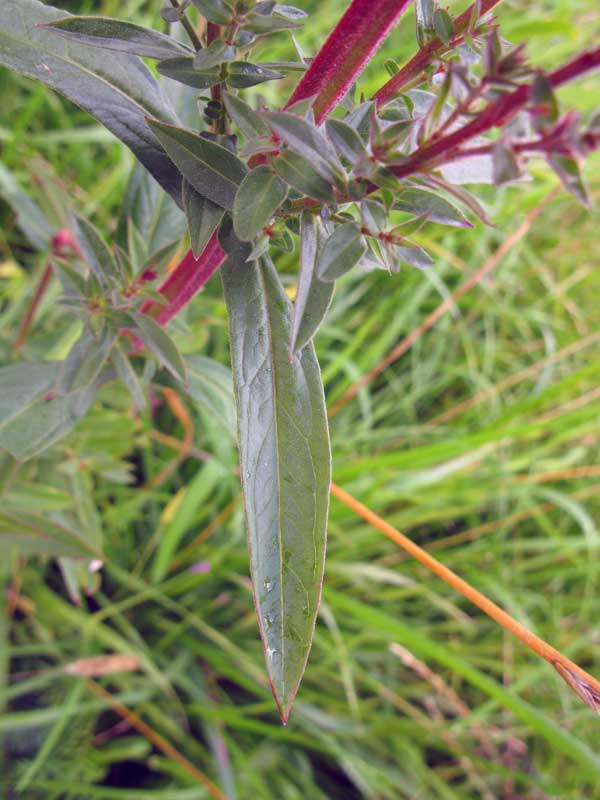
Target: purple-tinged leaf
118	90
116	34
437	208
258	198
340	252
214	171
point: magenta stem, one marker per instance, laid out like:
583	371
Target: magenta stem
186	280
497	113
350	46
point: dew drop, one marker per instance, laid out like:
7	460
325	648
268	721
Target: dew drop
268	584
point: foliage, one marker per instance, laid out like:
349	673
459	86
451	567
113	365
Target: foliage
108	289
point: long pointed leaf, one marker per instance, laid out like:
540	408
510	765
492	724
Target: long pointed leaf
117	34
212	170
285	467
118	90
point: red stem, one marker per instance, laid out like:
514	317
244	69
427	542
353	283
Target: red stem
349	48
33	305
186	280
416	66
497	113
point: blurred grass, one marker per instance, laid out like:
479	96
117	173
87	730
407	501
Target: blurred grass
497	488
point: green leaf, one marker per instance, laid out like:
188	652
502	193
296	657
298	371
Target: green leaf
506	163
259	196
31	420
313	296
210	385
567	169
308	142
247	120
346	140
214	11
32	221
285	467
96	252
437	208
22	385
415	256
260	23
242	74
203	217
443	25
128	375
32	534
212	56
118	90
184	71
116	34
212	170
300	174
85	361
160	344
154	213
344	248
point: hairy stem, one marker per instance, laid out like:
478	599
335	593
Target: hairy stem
186	280
414	68
350	46
586	686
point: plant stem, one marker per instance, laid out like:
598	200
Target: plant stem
586	686
189	28
32	308
157	740
416	66
495	114
350	46
186	280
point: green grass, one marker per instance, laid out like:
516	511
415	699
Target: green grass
367	723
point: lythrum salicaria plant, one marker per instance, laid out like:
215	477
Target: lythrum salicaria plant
344	180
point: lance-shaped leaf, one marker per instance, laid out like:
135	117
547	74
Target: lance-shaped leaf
34	534
214	11
285	467
159	343
203	217
32	221
304	139
118	90
184	71
344	248
313	296
116	34
212	170
302	176
31	419
346	140
211	387
242	74
247	120
259	196
437	209
155	215
96	252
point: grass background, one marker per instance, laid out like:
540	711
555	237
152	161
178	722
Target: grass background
409	691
